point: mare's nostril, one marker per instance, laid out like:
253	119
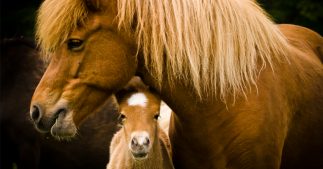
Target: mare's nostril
60	112
35	113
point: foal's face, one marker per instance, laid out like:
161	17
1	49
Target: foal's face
96	60
139	114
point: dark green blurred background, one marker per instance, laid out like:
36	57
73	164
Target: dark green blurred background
17	16
308	13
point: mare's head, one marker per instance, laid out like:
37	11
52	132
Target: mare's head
139	112
90	58
92	47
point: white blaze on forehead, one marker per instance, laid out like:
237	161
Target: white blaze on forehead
138	99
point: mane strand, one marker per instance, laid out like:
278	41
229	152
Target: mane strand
55	20
216	45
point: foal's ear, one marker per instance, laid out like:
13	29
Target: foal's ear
120	95
133	86
136	84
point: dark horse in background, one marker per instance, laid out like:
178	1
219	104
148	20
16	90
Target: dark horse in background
21	144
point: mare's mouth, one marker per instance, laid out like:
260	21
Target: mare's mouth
45	124
63	127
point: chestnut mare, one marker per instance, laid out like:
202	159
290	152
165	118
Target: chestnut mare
246	93
140	143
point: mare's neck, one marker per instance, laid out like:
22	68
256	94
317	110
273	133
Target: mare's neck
195	124
181	98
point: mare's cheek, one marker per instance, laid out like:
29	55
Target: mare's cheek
88	102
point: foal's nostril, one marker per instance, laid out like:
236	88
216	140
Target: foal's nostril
134	142
140	142
146	142
35	113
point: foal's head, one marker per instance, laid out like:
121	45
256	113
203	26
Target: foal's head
139	112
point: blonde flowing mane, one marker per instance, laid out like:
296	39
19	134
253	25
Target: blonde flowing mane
56	19
216	45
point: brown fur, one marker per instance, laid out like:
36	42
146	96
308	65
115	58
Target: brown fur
275	122
120	157
21	145
159	156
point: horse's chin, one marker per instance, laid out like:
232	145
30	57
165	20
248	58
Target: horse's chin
64	128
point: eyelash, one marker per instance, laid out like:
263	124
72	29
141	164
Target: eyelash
75	44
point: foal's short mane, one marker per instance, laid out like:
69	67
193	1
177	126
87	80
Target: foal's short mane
217	45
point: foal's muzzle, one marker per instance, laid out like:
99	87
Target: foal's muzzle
140	144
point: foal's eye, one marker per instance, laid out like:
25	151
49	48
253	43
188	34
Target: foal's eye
156	116
122	118
74	44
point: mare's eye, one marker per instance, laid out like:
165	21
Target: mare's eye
156	116
74	44
122	118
